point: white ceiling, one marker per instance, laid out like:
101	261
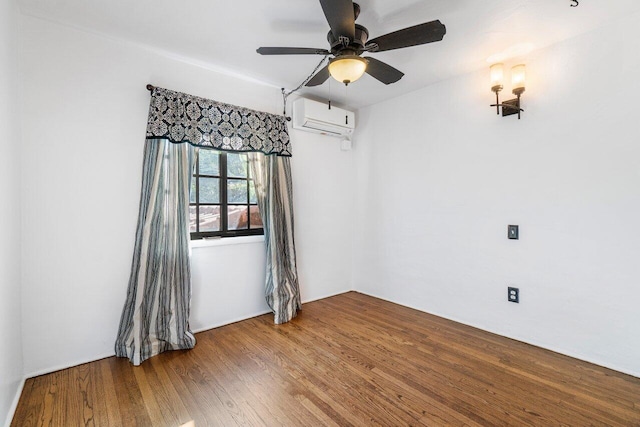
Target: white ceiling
224	35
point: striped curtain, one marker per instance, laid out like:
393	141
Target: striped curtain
272	179
155	317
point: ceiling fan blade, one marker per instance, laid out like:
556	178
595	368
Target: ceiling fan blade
341	17
428	32
291	51
320	77
382	71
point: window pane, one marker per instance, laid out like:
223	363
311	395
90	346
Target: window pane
236	191
192	219
192	191
208	162
209	190
238	217
209	218
252	193
254	214
237	165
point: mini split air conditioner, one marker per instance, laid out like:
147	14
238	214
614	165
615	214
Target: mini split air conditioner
317	117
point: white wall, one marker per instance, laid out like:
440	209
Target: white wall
85	110
10	330
324	198
441	176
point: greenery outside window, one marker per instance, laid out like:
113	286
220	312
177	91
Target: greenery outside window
222	200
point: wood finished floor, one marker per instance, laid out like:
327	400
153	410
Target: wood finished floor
345	360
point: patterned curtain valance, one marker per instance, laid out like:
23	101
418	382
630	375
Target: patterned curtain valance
201	122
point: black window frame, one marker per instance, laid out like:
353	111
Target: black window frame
223	177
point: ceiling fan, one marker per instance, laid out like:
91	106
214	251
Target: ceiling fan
349	40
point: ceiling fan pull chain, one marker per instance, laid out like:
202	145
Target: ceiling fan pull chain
346	98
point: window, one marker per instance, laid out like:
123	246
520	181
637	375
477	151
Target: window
222	200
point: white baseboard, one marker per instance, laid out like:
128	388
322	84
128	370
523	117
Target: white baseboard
68	365
229	322
326	296
14	405
520	339
259	313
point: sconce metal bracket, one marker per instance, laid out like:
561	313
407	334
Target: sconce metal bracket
511	107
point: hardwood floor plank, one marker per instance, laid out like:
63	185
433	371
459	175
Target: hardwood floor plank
130	404
170	403
170	378
239	404
81	400
29	404
347	360
435	383
530	391
151	403
397	396
106	412
238	373
521	363
281	376
403	392
199	392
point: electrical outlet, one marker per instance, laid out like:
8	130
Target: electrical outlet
512	232
513	294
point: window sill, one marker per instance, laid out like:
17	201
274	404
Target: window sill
224	241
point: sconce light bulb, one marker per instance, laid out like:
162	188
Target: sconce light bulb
518	79
497	77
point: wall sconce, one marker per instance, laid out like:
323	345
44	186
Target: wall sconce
511	106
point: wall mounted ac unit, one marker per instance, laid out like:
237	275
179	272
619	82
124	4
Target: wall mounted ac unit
317	117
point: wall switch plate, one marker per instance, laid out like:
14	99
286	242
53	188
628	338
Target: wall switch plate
512	232
513	294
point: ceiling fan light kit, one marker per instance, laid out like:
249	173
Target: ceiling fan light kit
518	79
348	40
348	68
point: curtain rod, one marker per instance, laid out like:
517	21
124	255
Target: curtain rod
150	87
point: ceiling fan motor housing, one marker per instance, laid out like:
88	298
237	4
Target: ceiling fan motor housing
357	44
